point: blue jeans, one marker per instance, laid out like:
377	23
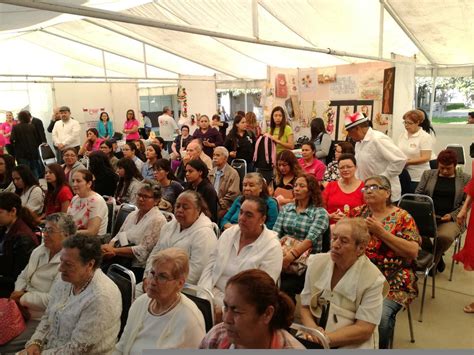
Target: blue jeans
387	323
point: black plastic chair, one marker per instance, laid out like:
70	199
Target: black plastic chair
421	208
47	155
205	305
111	205
125	281
124	211
241	166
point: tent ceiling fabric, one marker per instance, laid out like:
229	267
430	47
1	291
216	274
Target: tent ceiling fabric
74	44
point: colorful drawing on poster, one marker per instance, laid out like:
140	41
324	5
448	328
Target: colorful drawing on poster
345	88
329	117
343	112
326	75
380	122
281	86
370	85
293	84
388	90
307	80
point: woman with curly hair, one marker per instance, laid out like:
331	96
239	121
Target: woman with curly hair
287	171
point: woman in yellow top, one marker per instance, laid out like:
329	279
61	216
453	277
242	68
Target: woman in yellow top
280	131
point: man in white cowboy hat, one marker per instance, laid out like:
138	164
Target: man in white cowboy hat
375	152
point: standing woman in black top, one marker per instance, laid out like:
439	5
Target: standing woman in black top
196	179
240	143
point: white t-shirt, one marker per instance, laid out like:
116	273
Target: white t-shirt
84	209
411	146
168	127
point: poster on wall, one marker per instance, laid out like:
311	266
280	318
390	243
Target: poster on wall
344	88
326	75
370	85
91	116
307	80
344	111
293	84
281	86
388	90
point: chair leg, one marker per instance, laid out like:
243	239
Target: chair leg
410	324
433	284
420	317
457	248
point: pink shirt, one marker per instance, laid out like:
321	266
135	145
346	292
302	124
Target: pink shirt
317	168
7	128
129	124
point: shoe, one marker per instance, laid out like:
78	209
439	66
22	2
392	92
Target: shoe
469	308
441	265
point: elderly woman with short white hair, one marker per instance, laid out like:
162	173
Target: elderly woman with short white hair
163	318
344	289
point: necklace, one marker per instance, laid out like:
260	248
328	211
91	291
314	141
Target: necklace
167	309
83	287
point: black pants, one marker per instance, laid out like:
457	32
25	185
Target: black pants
292	284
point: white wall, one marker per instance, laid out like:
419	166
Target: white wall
201	95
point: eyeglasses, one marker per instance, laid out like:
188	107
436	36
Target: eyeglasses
408	123
143	196
372	188
162	278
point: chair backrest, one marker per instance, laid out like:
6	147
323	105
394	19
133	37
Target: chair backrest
217	230
46	154
125	281
297	331
205	305
124	211
241	166
459	149
326	240
421	208
168	215
110	201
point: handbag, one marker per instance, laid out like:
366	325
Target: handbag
12	323
299	265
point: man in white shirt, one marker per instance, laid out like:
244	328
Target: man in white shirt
375	152
67	133
168	126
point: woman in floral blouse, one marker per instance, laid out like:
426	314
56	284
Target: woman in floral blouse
393	247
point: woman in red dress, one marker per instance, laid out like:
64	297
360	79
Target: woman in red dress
466	255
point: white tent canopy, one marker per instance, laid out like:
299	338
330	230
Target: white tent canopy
163	39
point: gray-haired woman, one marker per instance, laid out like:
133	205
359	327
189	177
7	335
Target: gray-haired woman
163	318
34	283
83	314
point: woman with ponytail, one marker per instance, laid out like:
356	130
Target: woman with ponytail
255	315
17	240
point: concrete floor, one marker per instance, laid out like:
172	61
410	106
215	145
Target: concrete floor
445	325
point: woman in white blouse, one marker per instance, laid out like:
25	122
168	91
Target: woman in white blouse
34	283
163	318
139	233
248	245
417	145
87	208
83	314
27	187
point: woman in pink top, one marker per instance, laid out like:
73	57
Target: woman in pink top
310	164
341	196
92	143
130	127
5	131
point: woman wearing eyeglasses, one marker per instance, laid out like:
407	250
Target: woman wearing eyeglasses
340	196
139	232
417	145
393	247
163	318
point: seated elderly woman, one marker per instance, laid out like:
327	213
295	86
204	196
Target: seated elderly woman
83	313
88	208
340	196
351	283
163	318
255	315
190	230
253	185
445	186
17	239
306	221
393	247
248	245
34	283
139	232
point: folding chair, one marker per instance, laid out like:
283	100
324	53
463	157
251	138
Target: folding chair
205	304
111	205
241	166
297	331
47	155
124	211
125	281
421	208
457	248
217	230
459	149
168	215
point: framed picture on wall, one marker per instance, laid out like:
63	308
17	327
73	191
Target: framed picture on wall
388	90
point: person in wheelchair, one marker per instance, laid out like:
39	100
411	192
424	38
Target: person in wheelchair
344	291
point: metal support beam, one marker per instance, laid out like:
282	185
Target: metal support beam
433	89
255	18
86	77
104	65
144	60
381	22
137	20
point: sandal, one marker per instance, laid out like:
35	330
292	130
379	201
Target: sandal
469	308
